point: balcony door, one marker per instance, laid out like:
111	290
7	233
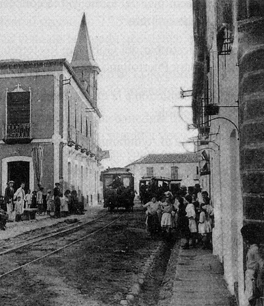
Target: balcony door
18	116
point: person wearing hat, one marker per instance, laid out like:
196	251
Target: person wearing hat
9	196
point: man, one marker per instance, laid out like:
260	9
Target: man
20	193
56	191
9	197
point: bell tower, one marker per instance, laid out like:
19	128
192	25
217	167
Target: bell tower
83	62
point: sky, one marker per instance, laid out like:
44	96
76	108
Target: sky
144	49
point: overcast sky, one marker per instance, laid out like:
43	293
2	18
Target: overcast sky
144	49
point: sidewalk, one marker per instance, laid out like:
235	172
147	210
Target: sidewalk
197	279
14	229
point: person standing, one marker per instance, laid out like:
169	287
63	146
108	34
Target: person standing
64	208
57	204
254	265
19	207
9	198
44	200
20	193
190	213
28	199
56	191
40	200
49	201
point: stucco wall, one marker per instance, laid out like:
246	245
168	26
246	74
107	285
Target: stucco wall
42	102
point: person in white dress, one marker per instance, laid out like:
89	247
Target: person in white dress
19	208
64	208
28	199
21	193
190	214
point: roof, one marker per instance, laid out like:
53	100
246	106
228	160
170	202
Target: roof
10	64
168	158
83	53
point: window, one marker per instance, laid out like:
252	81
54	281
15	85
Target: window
174	173
150	171
18	115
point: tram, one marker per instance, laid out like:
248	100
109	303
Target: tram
150	186
118	188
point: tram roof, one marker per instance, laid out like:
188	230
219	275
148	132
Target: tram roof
117	171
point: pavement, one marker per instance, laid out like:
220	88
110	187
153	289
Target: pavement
195	277
14	229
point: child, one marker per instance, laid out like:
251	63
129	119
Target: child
254	265
64	203
49	200
28	199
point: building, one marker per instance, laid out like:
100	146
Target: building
227	101
181	167
49	122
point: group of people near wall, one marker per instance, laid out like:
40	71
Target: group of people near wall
56	204
190	214
254	274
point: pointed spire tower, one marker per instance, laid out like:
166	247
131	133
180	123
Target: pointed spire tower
83	61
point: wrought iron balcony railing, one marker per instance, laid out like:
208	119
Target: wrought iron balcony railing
17	133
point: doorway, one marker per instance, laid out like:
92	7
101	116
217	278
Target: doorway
18	171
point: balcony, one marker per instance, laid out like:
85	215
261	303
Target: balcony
74	138
17	133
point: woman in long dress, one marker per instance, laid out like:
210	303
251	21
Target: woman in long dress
190	213
166	210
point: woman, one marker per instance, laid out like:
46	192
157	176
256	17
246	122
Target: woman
153	213
166	210
191	215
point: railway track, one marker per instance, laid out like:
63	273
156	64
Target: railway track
9	247
35	250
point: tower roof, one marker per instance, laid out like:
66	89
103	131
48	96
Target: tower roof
83	53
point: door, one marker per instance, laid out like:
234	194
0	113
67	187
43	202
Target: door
18	171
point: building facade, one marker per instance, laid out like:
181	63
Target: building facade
228	113
49	122
180	167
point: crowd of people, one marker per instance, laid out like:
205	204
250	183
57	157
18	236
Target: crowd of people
190	215
53	203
